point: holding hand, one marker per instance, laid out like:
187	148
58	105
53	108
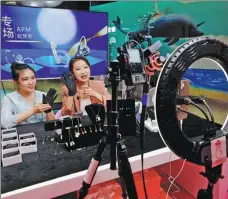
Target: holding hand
87	91
70	83
50	98
39	108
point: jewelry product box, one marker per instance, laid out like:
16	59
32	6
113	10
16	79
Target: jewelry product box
11	156
27	143
9	131
9	135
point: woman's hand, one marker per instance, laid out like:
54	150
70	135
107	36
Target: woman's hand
39	108
87	91
69	104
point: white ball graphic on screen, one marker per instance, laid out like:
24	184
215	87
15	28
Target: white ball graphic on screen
58	26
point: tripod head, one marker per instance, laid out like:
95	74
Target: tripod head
130	64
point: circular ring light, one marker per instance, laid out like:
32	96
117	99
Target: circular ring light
197	149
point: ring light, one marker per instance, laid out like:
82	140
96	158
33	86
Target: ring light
198	149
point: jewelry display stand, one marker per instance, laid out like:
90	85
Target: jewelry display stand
75	134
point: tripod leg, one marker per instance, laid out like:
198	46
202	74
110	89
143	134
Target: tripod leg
122	182
125	170
88	179
210	190
206	193
212	174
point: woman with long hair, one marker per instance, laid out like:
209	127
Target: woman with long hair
87	91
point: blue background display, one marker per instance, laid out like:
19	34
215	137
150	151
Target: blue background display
47	38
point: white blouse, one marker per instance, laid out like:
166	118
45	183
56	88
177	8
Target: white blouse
83	104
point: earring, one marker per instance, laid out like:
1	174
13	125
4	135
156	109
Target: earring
70	136
85	130
100	129
77	132
61	136
90	129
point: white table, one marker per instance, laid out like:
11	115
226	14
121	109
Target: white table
71	183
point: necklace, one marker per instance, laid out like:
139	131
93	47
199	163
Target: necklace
97	117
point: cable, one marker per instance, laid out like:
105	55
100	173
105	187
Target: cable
143	176
142	139
201	100
195	115
211	123
205	103
197	106
188	100
210	112
172	180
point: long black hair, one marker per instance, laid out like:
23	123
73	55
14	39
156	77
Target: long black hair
16	68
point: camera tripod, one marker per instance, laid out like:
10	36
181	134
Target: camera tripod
117	148
213	175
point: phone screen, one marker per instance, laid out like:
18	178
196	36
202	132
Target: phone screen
134	56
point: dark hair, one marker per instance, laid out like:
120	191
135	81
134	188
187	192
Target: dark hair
73	60
16	68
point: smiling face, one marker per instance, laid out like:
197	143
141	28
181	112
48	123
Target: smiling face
26	81
81	71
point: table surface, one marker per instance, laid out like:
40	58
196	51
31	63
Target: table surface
53	160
